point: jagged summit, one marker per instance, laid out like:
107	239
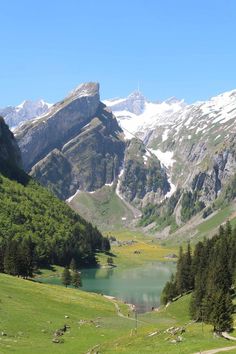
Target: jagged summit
85	89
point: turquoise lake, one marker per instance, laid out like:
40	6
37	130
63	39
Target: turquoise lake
141	286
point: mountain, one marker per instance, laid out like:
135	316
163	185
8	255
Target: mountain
168	161
200	139
10	156
79	146
27	110
137	116
31	216
195	144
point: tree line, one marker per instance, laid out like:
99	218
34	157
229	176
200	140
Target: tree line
208	274
37	229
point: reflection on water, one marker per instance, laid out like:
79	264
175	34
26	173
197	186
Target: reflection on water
140	286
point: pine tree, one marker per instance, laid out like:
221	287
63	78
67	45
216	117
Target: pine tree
73	265
169	292
228	229
76	279
184	275
66	277
106	244
179	278
10	262
222	309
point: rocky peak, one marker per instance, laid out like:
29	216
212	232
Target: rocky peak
134	103
64	120
86	89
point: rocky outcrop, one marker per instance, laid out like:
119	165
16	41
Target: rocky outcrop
77	145
9	150
38	137
143	179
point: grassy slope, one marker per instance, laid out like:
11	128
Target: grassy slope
31	312
198	228
103	208
195	339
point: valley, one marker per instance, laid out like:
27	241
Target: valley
117	186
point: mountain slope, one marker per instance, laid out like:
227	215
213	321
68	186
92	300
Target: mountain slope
30	212
137	116
25	111
9	150
79	146
196	145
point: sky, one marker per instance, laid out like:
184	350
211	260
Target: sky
184	48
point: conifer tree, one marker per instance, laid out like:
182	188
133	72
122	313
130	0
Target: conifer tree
76	279
66	277
222	309
73	265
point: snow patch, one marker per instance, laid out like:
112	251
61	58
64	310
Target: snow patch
118	184
165	135
172	189
166	158
109	184
217	137
73	196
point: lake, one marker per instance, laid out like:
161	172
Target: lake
141	286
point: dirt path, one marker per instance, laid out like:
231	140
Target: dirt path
119	313
218	350
227	336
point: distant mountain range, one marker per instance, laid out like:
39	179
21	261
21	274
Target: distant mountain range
149	154
27	110
137	115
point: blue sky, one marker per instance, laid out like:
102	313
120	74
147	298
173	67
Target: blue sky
184	48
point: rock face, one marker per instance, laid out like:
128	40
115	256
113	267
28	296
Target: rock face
201	138
9	150
78	145
25	111
142	180
40	136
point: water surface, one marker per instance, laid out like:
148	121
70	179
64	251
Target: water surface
141	286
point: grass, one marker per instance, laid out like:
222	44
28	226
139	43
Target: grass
104	208
198	228
30	313
147	250
216	220
195	339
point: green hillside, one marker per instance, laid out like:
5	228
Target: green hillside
103	208
30	212
30	314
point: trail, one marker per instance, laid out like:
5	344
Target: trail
218	350
119	313
227	336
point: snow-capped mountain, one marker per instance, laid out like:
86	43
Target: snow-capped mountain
185	154
138	116
195	143
25	111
